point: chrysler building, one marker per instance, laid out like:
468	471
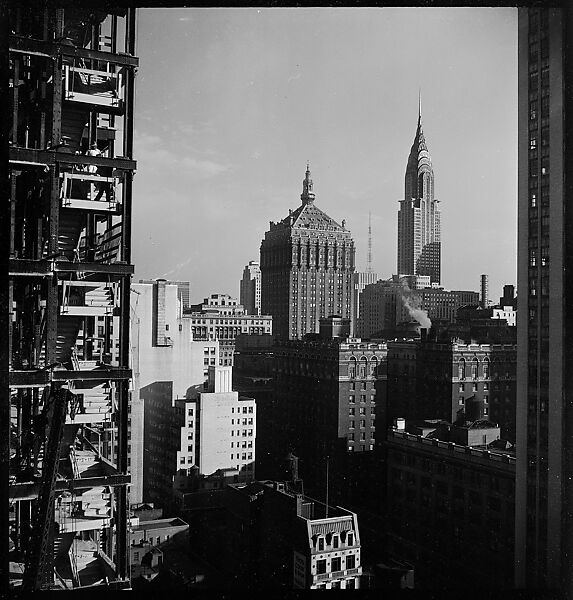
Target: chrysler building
307	262
419	214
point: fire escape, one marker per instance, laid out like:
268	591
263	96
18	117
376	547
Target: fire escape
66	332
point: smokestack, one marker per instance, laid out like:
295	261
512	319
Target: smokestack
483	296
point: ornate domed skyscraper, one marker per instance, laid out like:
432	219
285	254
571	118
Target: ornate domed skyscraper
307	262
419	214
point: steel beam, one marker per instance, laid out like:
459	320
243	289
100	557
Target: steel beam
19	267
45	158
24	45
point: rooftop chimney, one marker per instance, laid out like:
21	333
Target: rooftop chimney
483	295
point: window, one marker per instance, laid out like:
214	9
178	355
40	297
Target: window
351	399
350	584
321	566
335	541
350	561
351	411
336	564
362	422
362	410
351	424
321	545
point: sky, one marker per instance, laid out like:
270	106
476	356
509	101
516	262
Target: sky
232	103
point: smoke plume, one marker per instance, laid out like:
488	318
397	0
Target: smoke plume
412	303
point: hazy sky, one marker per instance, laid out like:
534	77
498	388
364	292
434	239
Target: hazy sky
231	103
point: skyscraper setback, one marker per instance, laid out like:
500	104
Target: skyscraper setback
307	262
419	214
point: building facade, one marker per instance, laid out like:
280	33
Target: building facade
452	381
544	538
419	215
67	250
183	290
387	303
167	365
220	317
325	403
307	264
450	509
279	538
360	281
250	292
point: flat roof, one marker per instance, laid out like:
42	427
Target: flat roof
161	524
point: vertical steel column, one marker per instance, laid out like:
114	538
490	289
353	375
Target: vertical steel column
122	503
6	234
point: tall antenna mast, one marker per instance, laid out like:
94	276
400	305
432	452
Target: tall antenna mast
327	487
369	260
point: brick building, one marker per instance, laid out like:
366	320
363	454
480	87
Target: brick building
452	380
450	507
325	402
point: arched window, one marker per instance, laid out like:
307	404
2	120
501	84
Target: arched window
486	368
373	365
475	367
462	369
363	366
352	367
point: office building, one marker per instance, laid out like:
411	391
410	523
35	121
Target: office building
325	403
220	317
67	246
451	380
387	304
250	292
167	365
307	263
419	214
544	496
183	290
360	281
450	504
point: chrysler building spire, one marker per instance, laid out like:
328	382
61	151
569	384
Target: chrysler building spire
419	214
307	193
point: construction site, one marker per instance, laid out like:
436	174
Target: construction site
65	332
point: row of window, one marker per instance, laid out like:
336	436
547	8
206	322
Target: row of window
362	411
336	564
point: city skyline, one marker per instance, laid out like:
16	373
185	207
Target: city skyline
258	92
